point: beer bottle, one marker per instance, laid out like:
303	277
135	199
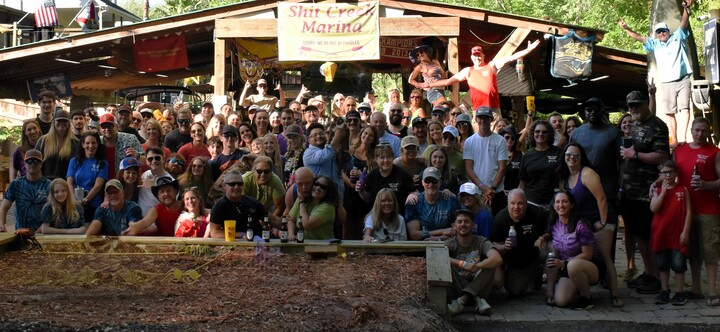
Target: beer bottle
249	234
695	177
266	230
301	231
284	231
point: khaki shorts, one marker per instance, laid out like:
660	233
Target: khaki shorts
708	229
676	95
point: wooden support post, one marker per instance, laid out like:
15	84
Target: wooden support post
513	43
439	277
219	82
453	67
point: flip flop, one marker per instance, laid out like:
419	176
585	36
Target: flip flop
713	301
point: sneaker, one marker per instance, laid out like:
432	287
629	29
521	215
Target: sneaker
583	303
454	307
663	297
638	281
678	299
482	306
652	286
629	274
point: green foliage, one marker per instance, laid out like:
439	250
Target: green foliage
384	82
11	134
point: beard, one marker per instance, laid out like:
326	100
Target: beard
395	120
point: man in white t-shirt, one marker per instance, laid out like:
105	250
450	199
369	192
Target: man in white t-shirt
486	156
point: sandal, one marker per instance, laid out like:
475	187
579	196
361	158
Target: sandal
550	301
713	301
616	301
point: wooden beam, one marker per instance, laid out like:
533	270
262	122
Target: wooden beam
513	43
472	14
453	59
219	83
439	277
389	26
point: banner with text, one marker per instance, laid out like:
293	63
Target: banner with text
328	31
161	54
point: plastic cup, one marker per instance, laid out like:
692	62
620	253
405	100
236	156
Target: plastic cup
229	230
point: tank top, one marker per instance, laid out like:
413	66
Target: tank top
585	202
702	201
483	87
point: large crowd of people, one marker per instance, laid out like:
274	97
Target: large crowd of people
514	207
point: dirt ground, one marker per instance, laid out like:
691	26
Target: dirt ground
112	287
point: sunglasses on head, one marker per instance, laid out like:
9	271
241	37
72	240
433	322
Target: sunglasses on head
263	171
33	162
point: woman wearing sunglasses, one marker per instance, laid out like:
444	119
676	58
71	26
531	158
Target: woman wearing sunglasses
318	213
197	147
431	71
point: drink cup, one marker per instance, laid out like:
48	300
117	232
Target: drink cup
229	230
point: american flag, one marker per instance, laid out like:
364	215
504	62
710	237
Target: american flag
88	17
46	14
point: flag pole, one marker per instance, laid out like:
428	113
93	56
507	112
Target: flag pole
73	19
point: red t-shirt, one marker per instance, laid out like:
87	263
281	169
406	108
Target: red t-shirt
190	152
483	87
668	223
703	201
166	219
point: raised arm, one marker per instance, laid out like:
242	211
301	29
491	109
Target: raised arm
501	62
685	19
459	77
630	32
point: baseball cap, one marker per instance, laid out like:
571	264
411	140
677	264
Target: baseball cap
431	172
114	183
462	118
593	101
419	120
409	140
451	130
33	154
476	50
293	129
483	111
310	108
207	104
469	188
107	118
508	130
94	124
230	129
146	110
128	162
438	109
164	181
253	108
61	115
364	106
635	97
661	25
352	114
262	81
124	108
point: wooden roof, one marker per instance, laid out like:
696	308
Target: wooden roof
114	47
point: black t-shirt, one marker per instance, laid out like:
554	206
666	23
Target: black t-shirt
224	209
174	140
537	169
133	131
398	181
528	229
512	173
44	126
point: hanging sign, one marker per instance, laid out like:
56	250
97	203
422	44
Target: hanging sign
328	31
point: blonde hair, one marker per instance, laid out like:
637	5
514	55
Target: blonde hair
275	157
71	212
376	212
54	146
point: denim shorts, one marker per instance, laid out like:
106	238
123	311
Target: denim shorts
434	94
671	259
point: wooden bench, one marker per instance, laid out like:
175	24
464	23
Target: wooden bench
439	277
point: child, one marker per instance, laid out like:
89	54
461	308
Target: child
61	214
670	204
215	146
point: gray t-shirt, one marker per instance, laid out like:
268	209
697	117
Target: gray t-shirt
602	145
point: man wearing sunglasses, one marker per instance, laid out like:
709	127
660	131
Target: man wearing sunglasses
365	109
117	145
156	162
239	207
125	123
430	218
29	193
180	135
671	54
262	98
265	186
